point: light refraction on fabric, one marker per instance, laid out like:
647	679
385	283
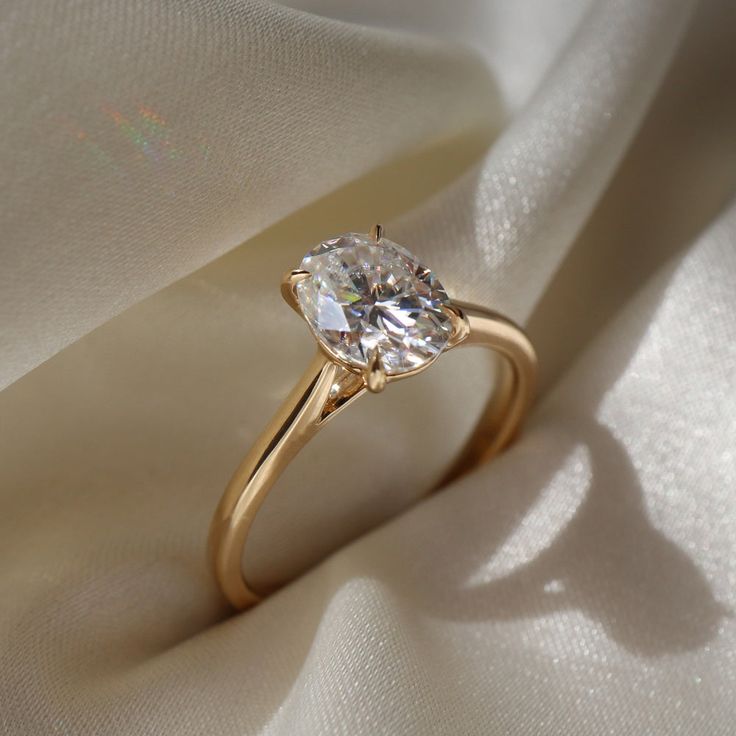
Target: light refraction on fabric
570	163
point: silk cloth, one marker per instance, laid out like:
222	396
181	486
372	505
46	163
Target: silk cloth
570	163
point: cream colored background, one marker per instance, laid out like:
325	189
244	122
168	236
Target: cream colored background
576	170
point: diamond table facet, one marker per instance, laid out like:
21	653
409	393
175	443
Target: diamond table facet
364	295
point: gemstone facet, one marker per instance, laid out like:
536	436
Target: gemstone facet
365	295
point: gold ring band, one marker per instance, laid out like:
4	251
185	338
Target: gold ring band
325	389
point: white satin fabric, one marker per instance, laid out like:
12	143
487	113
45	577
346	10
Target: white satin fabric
576	171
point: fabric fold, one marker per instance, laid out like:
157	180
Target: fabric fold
511	220
144	140
580	584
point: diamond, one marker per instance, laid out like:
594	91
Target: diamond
365	295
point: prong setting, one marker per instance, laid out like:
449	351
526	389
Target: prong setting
376	232
289	284
460	325
375	374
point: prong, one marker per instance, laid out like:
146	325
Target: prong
375	373
377	232
460	326
288	286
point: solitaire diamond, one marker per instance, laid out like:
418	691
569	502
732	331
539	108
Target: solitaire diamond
364	296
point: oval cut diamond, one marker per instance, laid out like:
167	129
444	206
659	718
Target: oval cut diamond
364	295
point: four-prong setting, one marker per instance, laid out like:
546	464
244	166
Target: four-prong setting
373	307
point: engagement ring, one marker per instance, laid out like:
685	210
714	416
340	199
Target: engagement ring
378	315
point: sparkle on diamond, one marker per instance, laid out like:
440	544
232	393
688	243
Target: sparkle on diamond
363	295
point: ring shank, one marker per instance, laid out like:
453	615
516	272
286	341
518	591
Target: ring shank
321	393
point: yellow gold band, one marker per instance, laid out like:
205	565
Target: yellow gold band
328	387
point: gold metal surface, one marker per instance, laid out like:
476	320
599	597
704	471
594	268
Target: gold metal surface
375	374
326	388
288	287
